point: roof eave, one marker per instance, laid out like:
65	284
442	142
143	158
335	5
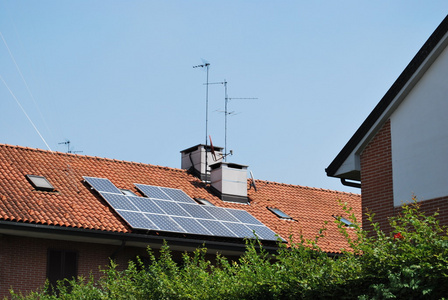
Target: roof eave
116	238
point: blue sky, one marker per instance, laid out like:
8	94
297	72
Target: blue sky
116	78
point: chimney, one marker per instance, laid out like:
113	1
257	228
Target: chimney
229	180
193	159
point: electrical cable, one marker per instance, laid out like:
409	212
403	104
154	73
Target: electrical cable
23	110
24	81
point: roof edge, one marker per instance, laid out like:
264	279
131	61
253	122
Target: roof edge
54	232
390	95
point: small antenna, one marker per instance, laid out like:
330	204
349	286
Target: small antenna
69	150
215	158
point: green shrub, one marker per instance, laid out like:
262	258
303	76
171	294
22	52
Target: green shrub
411	262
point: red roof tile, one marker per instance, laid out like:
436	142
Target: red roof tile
72	204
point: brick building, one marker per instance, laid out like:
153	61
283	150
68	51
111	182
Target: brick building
401	149
63	214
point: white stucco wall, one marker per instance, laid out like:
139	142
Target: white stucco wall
419	129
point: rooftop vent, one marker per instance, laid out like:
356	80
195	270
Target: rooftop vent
194	160
230	181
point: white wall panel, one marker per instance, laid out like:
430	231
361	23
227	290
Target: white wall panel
419	129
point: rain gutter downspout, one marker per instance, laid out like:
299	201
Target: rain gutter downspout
351	183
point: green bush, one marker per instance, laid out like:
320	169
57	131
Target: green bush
409	263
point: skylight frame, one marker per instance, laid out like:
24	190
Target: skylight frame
280	213
40	183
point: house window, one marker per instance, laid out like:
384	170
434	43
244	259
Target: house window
281	214
61	264
40	183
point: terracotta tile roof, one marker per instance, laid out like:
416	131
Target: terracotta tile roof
74	205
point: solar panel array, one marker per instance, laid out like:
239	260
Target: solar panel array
172	210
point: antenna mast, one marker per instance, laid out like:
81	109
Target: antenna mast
205	65
226	113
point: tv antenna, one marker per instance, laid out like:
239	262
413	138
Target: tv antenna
69	150
205	65
226	113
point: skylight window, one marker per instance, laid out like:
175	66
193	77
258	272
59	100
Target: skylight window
203	202
279	213
128	192
344	220
40	183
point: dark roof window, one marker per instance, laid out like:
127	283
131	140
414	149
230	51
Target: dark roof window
203	202
281	214
344	220
40	183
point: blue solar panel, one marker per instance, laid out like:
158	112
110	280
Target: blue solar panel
239	230
244	217
216	228
177	195
220	213
118	201
171	208
152	191
136	220
263	232
165	223
146	205
191	226
197	211
102	185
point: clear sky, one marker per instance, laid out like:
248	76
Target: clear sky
116	78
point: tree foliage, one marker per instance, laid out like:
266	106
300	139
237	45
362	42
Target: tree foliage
411	262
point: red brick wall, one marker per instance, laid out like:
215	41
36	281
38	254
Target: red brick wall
377	183
439	205
376	178
23	260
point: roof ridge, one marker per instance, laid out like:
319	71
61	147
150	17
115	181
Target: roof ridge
91	157
306	187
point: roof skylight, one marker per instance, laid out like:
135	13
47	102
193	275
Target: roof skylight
281	214
40	183
203	202
344	220
128	192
